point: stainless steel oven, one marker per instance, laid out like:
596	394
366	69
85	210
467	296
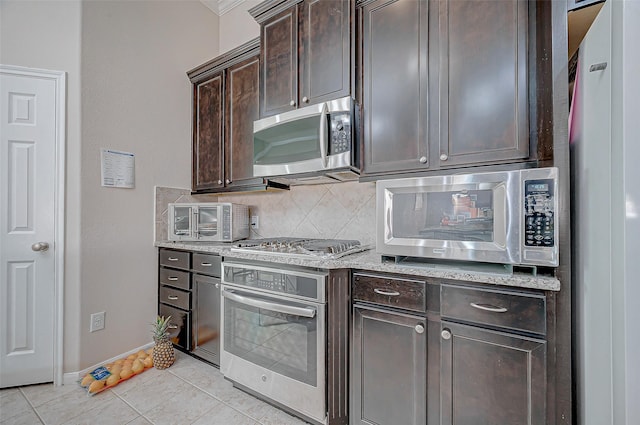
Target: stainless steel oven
274	334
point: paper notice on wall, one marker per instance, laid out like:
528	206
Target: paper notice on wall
118	169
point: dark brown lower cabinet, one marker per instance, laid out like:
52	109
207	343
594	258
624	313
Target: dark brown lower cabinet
388	369
491	377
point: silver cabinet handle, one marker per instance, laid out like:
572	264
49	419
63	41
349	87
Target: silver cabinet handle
173	326
423	159
40	246
172	259
206	264
387	293
488	307
305	99
281	308
444	157
219	181
598	67
446	334
172	278
292	103
172	297
419	328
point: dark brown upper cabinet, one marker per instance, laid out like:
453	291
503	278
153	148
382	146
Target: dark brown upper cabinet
448	84
225	104
394	37
306	52
483	88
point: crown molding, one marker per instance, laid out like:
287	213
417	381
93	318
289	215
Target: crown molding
220	7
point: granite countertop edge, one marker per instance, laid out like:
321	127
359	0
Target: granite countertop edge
371	261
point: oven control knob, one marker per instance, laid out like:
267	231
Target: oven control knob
446	334
264	378
419	329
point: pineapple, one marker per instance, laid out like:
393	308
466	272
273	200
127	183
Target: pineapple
163	355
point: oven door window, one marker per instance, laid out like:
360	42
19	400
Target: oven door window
208	221
281	342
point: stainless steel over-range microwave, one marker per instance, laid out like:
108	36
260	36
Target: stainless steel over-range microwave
313	140
208	222
496	217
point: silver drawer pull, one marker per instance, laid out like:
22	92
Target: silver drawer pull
489	307
173	259
173	326
206	264
172	297
387	293
172	278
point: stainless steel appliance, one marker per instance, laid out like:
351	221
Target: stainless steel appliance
328	249
213	221
503	217
274	335
313	144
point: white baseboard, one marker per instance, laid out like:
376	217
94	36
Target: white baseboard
73	377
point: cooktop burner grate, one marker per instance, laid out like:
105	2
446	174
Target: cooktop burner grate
300	247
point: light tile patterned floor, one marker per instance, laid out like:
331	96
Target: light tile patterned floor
189	392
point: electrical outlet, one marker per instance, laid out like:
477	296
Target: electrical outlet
255	222
97	322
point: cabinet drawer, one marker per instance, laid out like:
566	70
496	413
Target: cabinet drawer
175	297
176	278
179	326
177	259
208	264
392	291
507	309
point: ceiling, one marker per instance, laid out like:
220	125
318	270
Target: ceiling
220	7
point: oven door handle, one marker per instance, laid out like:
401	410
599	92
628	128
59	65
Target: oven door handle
281	308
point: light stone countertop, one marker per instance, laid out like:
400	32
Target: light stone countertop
371	261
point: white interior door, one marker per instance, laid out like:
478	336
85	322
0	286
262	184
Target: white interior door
28	153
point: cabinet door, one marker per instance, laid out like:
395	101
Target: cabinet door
325	50
490	377
388	369
394	85
207	152
279	67
483	81
180	326
242	109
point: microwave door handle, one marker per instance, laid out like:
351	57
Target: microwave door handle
324	141
280	308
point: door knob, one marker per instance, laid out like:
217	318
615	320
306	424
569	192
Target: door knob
305	99
40	246
446	334
419	329
292	103
423	160
444	157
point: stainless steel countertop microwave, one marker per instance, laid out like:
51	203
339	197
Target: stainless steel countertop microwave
503	217
208	222
316	140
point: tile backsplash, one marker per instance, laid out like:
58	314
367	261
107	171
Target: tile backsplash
334	211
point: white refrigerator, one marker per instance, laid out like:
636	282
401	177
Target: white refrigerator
605	162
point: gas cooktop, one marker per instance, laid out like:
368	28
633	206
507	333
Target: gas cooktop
300	247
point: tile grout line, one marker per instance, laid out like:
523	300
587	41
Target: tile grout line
216	398
33	408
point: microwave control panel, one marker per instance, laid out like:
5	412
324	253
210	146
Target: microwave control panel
539	213
340	124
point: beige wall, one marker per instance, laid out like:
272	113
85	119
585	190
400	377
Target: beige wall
136	98
237	26
126	89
